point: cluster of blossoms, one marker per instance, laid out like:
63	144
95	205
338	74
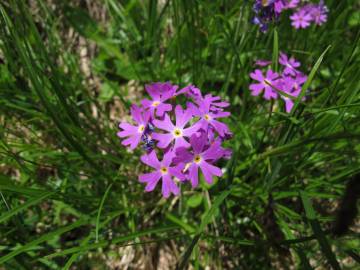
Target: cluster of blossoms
267	11
189	139
288	81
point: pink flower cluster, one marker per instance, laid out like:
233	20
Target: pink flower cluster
189	139
288	81
267	11
306	14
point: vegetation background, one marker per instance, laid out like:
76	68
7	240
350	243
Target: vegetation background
70	198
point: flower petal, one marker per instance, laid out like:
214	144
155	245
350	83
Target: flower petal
165	124
151	160
151	180
163	139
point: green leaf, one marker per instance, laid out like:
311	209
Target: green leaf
99	212
195	200
24	206
42	239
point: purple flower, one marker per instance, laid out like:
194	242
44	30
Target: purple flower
290	64
300	19
159	92
214	102
265	83
292	87
163	170
134	133
156	129
281	5
202	156
208	116
318	13
264	13
176	132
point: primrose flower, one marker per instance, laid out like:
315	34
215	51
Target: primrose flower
176	132
317	12
208	115
202	156
214	102
265	84
159	92
290	64
134	133
191	92
167	129
280	5
163	170
301	19
288	81
264	13
292	87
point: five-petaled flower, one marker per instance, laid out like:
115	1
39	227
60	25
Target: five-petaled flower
266	84
134	133
163	170
202	156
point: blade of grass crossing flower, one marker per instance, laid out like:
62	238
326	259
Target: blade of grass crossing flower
24	206
99	212
308	81
42	239
275	54
319	234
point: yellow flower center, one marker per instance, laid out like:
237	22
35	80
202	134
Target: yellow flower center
164	170
207	117
197	159
141	128
177	132
155	103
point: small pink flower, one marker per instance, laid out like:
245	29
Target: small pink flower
134	133
300	19
176	132
163	170
265	84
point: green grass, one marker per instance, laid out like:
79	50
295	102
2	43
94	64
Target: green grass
69	191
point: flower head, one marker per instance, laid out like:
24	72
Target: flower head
168	129
176	132
265	83
202	155
159	92
301	19
287	83
209	112
290	64
164	171
134	133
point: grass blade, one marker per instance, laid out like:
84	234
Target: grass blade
319	234
24	206
99	212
